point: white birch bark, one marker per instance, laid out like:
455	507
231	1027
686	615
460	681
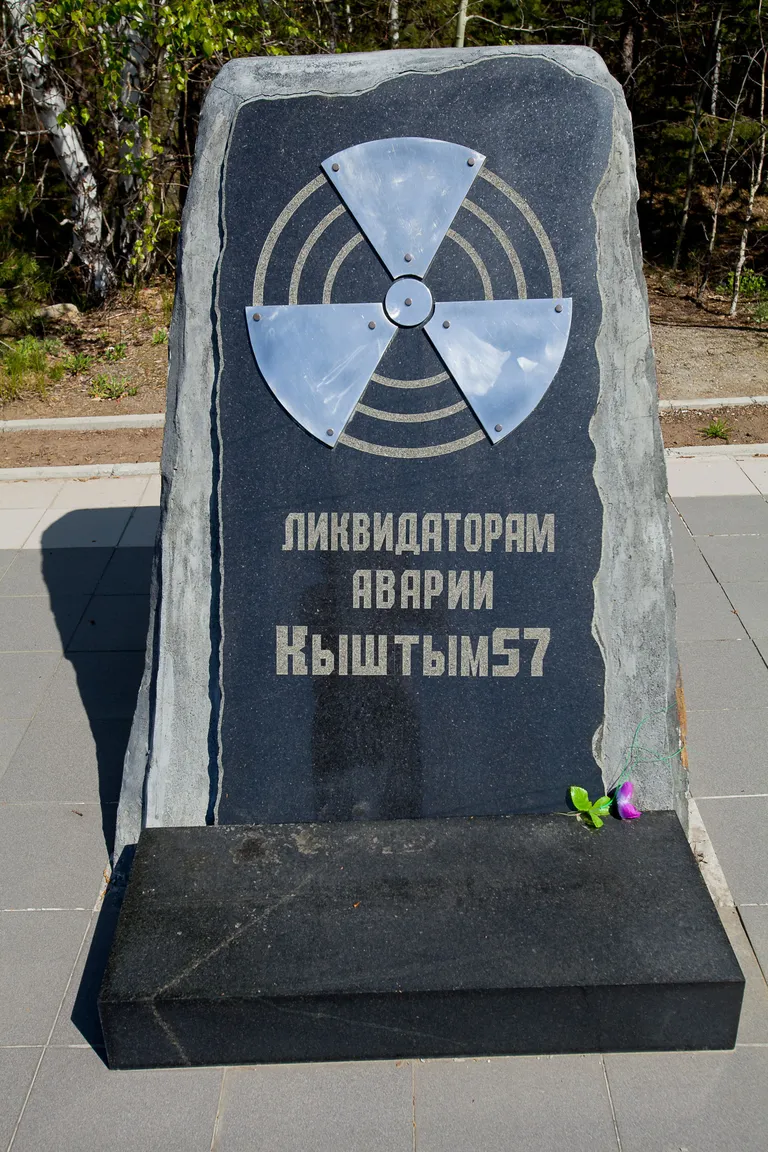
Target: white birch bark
394	23
461	24
50	106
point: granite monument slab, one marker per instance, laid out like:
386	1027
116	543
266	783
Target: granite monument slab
414	560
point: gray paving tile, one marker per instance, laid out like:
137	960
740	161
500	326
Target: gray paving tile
82	528
128	572
68	760
735	558
51	857
755	919
78	1021
7	556
24	677
724	515
737	829
726	751
17	1067
141	528
532	1103
77	1103
113	623
690	566
697	1101
316	1108
704	613
723	674
761	643
11	732
100	685
751	602
753	1024
55	572
32	624
37	952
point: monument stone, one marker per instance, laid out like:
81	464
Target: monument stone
413	582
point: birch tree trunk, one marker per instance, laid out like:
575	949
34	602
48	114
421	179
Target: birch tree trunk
756	181
131	134
394	23
50	106
461	24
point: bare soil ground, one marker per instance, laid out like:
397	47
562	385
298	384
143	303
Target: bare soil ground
700	353
38	449
687	429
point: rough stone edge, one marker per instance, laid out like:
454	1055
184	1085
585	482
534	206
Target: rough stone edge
634	594
166	764
166	778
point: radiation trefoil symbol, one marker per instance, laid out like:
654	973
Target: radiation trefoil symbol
317	359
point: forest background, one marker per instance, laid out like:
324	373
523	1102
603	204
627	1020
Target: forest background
100	105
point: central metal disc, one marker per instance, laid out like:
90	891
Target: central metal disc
409	302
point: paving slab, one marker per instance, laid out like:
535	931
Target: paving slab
726	751
753	1025
319	1107
96	685
16	524
723	674
68	760
109	492
737	830
28	623
28	493
696	1101
37	954
141	529
24	677
705	613
724	515
7	556
11	733
54	572
712	476
757	471
530	1103
113	624
81	528
76	1103
755	917
51	855
690	567
17	1067
736	558
78	1021
128	572
750	599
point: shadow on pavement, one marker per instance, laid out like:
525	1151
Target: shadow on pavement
104	645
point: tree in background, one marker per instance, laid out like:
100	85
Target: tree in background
102	102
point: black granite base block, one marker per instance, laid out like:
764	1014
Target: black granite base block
471	936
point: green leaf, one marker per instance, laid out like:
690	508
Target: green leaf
598	823
580	799
602	805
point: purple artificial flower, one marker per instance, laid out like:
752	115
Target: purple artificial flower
624	804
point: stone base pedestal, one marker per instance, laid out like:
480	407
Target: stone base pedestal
377	940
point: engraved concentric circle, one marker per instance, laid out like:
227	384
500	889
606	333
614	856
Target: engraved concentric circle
499	235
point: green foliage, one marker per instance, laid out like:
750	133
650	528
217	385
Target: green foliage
116	352
166	298
23	283
760	312
77	362
717	429
752	285
590	812
105	387
25	367
160	336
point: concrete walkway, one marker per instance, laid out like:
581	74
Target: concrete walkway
74	569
